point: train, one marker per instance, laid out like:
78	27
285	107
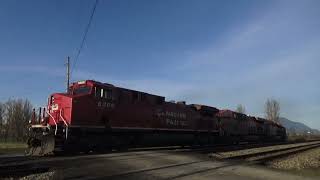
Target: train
96	116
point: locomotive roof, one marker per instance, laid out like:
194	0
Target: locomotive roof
229	113
274	123
138	91
97	82
111	85
201	106
257	119
204	108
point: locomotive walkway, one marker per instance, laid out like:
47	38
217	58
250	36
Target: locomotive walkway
151	164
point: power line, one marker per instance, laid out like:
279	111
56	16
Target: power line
84	36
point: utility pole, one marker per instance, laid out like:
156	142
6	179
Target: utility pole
68	73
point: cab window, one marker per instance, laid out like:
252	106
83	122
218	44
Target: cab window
102	93
82	90
97	91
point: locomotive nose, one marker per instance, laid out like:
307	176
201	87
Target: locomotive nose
60	109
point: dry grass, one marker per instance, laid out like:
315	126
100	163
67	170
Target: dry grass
12	147
302	138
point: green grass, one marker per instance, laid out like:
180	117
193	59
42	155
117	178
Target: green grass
12	147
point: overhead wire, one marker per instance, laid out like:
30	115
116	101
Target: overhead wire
84	37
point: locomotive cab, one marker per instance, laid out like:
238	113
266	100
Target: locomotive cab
80	88
91	103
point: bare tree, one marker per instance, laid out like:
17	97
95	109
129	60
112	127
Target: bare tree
26	116
241	109
2	123
10	118
272	110
1	114
17	114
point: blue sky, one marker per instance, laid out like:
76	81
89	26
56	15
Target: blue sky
220	53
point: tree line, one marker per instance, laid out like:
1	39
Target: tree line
14	118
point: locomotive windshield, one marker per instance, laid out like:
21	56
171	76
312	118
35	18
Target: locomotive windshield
82	90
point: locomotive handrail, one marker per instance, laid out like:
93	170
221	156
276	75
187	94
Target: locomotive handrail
65	122
55	123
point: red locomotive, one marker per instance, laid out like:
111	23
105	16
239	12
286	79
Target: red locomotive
100	116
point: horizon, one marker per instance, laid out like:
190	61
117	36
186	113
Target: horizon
215	53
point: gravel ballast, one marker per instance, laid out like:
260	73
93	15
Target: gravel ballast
229	154
307	159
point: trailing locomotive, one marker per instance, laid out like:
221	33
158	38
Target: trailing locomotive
99	116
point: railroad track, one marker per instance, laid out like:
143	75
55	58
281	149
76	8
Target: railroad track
269	155
19	168
135	152
263	160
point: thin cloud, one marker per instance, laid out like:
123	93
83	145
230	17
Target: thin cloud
273	55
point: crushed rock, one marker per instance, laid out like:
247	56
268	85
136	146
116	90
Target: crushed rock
229	154
307	159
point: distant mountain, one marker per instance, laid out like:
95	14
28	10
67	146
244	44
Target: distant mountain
297	127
